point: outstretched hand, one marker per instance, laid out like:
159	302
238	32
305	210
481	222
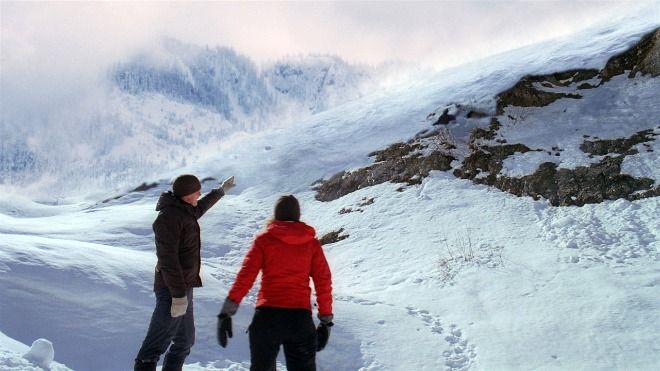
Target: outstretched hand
228	184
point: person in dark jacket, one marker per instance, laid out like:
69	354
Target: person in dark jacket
287	254
178	246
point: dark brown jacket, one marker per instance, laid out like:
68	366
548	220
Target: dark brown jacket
178	241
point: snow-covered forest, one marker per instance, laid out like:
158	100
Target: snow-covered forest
165	108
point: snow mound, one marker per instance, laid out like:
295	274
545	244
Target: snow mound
17	356
41	353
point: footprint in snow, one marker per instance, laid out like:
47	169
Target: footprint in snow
353	299
461	355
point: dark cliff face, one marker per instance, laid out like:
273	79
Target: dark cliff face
643	58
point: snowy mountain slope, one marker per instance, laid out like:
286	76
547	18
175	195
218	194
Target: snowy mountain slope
319	82
442	275
572	135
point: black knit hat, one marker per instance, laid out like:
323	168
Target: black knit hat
186	184
287	209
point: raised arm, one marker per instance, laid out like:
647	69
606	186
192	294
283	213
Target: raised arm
206	202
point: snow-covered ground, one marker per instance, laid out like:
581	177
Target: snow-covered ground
443	275
15	355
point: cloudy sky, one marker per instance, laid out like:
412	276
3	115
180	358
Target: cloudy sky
67	44
369	32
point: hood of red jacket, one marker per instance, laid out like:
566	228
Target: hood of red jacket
292	233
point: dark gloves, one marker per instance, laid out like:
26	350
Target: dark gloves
224	329
229	308
323	332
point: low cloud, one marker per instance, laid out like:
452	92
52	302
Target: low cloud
50	50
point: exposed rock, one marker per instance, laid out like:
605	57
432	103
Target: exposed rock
443	115
410	170
144	187
367	201
476	114
586	85
524	94
488	134
644	57
141	188
654	192
346	210
566	78
332	237
621	146
399	163
395	151
410	162
562	187
579	186
487	159
446	114
445	118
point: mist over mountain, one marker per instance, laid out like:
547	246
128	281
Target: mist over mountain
233	86
218	79
162	108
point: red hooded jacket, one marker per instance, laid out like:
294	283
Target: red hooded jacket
287	254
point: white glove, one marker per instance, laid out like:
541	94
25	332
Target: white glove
179	306
228	184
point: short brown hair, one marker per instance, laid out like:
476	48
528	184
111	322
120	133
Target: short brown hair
287	209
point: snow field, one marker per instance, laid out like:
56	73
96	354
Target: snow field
544	288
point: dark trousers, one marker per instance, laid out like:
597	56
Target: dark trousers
292	328
164	331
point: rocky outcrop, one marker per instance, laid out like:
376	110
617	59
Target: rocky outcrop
487	134
525	94
448	114
621	146
564	187
486	149
141	188
485	163
643	58
406	163
579	186
332	237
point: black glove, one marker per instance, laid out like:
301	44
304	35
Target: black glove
224	329
322	335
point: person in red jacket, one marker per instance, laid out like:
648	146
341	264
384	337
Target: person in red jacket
287	254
